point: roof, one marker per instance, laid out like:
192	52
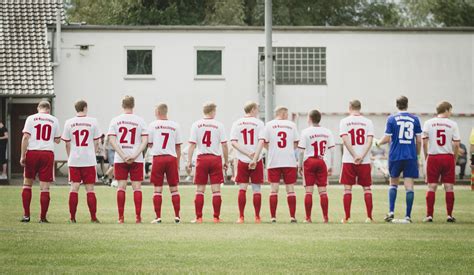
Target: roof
79	27
25	58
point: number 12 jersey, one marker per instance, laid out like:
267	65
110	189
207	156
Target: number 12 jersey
81	131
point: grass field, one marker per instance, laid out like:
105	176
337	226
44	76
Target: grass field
60	247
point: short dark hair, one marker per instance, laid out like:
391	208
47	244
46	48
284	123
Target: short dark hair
355	104
80	105
443	107
315	116
402	103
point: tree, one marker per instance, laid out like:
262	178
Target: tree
226	12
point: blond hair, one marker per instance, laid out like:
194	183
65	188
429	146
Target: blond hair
249	106
209	107
280	109
44	104
128	102
162	109
355	105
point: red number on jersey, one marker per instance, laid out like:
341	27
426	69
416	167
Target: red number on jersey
124	132
206	139
357	136
282	142
165	139
441	137
319	150
251	134
77	134
43	131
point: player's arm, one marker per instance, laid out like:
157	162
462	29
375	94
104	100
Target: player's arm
384	140
143	145
113	143
418	144
178	153
425	146
192	147
332	153
456	148
260	145
225	153
68	148
96	145
300	161
347	143
5	136
239	148
24	147
368	146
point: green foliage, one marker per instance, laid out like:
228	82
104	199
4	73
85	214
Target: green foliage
226	12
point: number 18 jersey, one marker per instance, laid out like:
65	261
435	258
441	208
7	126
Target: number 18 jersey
208	135
129	129
81	131
358	129
403	129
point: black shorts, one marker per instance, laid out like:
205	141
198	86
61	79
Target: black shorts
3	154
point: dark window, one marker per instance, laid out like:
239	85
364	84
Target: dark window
139	62
209	62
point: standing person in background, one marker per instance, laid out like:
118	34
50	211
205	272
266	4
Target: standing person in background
108	177
471	141
3	150
403	131
100	155
129	137
462	160
40	133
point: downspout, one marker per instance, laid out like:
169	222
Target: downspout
57	39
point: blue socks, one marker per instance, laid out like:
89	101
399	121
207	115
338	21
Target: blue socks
410	198
392	197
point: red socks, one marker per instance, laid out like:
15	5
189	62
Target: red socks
323	200
176	200
157	200
430	201
44	201
120	202
257	203
73	200
242	199
273	204
137	199
291	199
368	202
347	203
449	202
26	198
198	204
216	203
92	204
308	204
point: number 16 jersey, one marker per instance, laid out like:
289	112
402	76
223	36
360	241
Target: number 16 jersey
358	129
81	131
129	129
403	129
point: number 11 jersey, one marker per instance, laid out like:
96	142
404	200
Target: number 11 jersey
403	129
129	129
81	131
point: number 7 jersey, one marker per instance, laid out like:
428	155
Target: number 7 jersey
81	132
129	129
164	135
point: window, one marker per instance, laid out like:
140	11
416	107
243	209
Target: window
299	65
139	62
209	63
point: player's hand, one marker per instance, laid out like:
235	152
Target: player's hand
22	161
225	167
300	171
330	172
357	160
252	165
189	168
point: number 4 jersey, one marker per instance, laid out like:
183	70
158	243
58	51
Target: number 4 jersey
43	129
208	135
81	131
129	129
441	133
358	129
403	129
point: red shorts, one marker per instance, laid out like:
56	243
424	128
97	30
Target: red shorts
289	174
208	166
315	172
356	174
41	163
441	168
245	175
162	165
85	175
123	169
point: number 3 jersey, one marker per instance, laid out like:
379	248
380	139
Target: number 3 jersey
43	129
208	135
280	135
441	132
164	135
358	129
246	132
81	131
403	129
128	129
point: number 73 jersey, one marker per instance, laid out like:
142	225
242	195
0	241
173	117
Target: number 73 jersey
440	132
129	129
358	129
403	129
81	131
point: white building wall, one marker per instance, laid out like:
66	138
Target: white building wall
374	67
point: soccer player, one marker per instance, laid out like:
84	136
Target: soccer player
440	146
81	135
40	133
208	135
164	141
357	133
281	137
314	143
403	131
244	137
128	136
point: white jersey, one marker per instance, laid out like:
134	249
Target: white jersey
358	129
128	129
164	135
81	132
208	135
315	140
43	129
280	136
440	132
246	132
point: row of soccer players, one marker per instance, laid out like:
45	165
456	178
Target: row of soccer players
129	136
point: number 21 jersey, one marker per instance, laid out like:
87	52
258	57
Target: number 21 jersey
358	129
129	129
403	129
81	131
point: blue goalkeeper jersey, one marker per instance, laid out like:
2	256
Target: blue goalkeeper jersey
403	129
